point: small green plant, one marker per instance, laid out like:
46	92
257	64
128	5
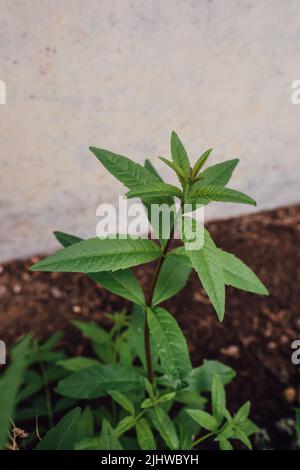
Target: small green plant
145	366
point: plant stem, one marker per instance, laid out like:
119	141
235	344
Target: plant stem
202	438
149	304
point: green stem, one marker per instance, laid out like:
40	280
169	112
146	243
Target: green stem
150	373
202	438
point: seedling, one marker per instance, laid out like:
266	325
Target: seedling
155	368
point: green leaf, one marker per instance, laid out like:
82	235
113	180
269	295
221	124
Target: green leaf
297	425
92	331
207	193
122	400
75	364
10	384
169	201
122	282
96	255
204	419
172	278
241	436
63	435
164	426
242	413
125	170
225	445
220	173
218	399
147	193
179	155
170	345
144	435
187	429
238	274
108	438
124	425
174	167
248	427
201	162
136	335
201	378
95	381
206	262
86	425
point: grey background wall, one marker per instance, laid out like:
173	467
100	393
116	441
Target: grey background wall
122	74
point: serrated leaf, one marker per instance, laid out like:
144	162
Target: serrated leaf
10	384
95	381
75	364
206	262
122	400
63	435
201	378
148	193
122	282
170	345
201	162
220	173
144	435
238	274
218	399
165	427
179	155
98	255
172	278
204	419
207	193
108	439
125	170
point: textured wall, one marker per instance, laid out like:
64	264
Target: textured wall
122	74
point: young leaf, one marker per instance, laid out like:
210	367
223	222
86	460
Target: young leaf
172	278
94	382
220	173
241	436
165	427
225	444
201	162
108	439
207	193
170	345
207	264
144	435
238	274
124	425
86	425
63	435
204	419
93	331
122	282
179	155
187	429
75	364
174	167
122	400
10	384
218	399
155	190
124	169
97	255
201	378
242	413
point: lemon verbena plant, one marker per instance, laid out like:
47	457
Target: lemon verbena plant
146	369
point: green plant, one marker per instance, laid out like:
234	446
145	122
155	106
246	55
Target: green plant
153	335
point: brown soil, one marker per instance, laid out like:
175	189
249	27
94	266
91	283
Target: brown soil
255	337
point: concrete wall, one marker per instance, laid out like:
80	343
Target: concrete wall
121	74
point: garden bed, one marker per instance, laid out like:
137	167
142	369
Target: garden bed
255	337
